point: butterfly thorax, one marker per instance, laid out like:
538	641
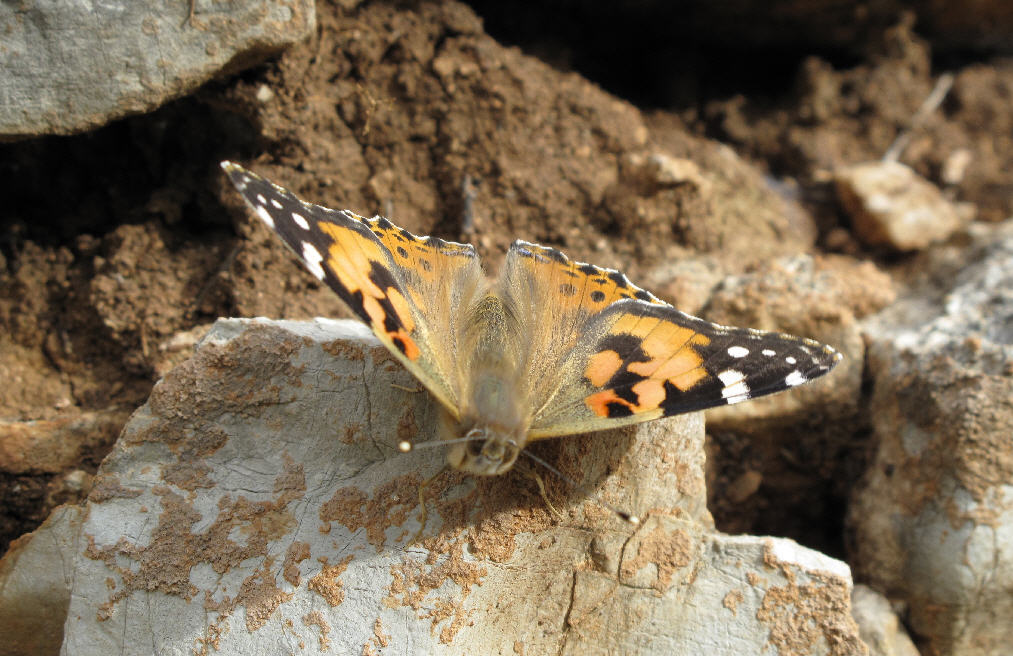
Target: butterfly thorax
492	415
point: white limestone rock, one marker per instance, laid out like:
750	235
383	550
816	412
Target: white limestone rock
257	504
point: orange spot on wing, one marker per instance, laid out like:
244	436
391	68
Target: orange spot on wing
669	362
411	349
599	402
372	308
602	366
402	308
666	338
634	324
689	379
349	259
650	393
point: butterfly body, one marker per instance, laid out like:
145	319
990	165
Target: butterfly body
553	347
492	411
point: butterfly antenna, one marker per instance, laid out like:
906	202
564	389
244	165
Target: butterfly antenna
405	446
629	517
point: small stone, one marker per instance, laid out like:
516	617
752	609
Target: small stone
264	94
890	205
744	486
669	171
956	165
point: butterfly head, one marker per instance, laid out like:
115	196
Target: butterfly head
484	451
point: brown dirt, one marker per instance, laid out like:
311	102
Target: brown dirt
839	117
117	248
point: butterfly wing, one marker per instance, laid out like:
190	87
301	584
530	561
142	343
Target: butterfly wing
617	355
407	288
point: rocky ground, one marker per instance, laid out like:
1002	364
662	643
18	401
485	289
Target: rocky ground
849	178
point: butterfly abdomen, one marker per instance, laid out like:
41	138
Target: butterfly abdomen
491	347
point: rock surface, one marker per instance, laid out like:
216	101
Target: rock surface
878	625
70	67
257	503
934	520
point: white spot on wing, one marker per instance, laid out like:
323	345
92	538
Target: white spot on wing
300	221
768	353
265	216
261	199
738	351
790	360
274	201
312	257
735	389
730	377
794	378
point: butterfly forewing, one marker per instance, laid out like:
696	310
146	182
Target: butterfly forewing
630	357
407	288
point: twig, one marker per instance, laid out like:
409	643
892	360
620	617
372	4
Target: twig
932	102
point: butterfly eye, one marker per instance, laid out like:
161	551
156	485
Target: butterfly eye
477	434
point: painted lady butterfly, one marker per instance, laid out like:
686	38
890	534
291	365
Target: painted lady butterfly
554	347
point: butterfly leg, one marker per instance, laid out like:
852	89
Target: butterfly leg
424	514
541	490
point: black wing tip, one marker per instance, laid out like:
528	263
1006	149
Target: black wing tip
750	364
836	357
235	171
241	177
824	359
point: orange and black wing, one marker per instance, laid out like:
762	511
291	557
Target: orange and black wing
408	289
615	354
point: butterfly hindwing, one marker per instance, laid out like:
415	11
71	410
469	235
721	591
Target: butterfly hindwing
630	357
406	288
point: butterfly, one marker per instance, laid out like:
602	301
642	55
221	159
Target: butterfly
553	347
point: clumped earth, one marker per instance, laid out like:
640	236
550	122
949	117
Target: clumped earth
118	248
